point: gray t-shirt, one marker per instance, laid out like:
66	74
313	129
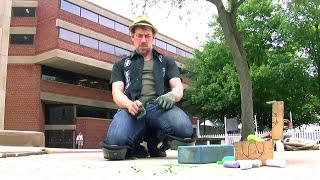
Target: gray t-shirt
148	91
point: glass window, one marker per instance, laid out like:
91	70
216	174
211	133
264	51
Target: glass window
59	114
121	52
189	55
89	15
89	111
161	44
21	38
89	42
106	22
59	75
107	48
48	77
74	9
181	52
171	48
68	35
23	11
121	28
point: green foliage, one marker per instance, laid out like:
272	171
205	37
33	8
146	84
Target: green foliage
273	42
285	79
214	82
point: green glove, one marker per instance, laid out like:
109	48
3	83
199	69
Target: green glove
141	113
166	101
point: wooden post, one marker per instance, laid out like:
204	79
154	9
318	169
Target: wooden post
277	120
225	131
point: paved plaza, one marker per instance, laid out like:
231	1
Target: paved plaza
89	164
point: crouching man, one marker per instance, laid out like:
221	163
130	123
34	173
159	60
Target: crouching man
145	86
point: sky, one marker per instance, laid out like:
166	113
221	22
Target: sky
188	25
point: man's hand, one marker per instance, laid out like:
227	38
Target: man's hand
136	109
141	113
133	107
166	101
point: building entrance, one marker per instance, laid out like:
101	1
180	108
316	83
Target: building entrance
59	138
60	125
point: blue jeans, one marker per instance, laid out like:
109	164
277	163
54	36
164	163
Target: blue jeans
126	130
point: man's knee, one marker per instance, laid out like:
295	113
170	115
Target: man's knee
120	138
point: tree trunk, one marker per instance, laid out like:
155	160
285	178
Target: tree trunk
228	23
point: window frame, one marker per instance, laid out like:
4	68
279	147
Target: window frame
63	29
73	5
113	51
118	27
13	41
32	15
106	24
90	39
96	19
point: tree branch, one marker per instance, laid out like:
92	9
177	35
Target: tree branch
144	7
239	3
217	3
233	11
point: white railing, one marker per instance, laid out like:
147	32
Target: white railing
310	135
232	138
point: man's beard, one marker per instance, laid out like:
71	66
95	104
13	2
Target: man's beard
144	50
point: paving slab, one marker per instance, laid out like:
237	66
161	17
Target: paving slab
89	164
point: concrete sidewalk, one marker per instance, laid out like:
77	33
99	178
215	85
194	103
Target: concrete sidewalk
89	164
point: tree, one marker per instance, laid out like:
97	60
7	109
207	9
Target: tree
303	31
276	69
227	17
228	22
216	90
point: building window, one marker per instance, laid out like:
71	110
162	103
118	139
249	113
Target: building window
23	11
69	36
92	16
121	28
189	55
21	38
74	9
106	22
89	15
107	48
89	42
59	75
171	48
92	43
161	44
89	111
121	52
181	52
59	114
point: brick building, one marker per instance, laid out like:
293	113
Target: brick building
56	61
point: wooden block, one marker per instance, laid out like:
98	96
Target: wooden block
202	154
277	120
245	150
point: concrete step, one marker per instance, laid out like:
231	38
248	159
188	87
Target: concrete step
22	138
